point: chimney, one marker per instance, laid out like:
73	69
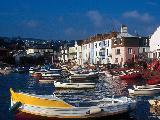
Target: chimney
124	29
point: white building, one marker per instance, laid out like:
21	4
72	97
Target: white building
40	50
103	51
85	52
78	50
71	51
155	44
64	52
97	49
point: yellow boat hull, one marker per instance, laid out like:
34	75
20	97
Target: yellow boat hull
54	107
37	101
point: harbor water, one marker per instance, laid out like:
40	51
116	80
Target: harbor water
105	87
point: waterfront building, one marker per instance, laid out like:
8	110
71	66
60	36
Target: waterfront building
64	52
103	49
71	52
78	50
85	52
68	51
127	47
97	49
47	52
41	49
155	44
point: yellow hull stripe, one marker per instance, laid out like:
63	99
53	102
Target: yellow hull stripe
35	101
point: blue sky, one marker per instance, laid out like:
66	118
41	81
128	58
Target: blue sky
76	19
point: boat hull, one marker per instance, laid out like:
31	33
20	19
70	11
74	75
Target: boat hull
154	80
79	113
74	85
132	76
145	92
83	76
27	116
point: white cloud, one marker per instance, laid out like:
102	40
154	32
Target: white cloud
145	17
95	17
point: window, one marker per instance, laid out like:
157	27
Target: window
116	60
96	53
144	50
96	45
154	55
104	43
108	43
100	44
107	52
120	41
102	53
115	42
146	42
117	51
158	54
129	50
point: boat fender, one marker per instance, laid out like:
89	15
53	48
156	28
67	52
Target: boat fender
94	110
15	107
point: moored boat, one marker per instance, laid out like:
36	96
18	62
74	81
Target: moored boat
84	76
131	76
145	90
21	69
5	71
127	73
153	80
52	106
69	85
33	69
47	80
53	73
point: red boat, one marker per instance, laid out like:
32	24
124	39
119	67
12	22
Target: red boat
154	80
131	76
36	75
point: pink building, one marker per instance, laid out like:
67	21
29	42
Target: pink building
126	47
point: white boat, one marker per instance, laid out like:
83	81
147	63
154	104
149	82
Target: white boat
51	106
6	70
90	75
68	85
47	80
33	69
53	73
145	90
